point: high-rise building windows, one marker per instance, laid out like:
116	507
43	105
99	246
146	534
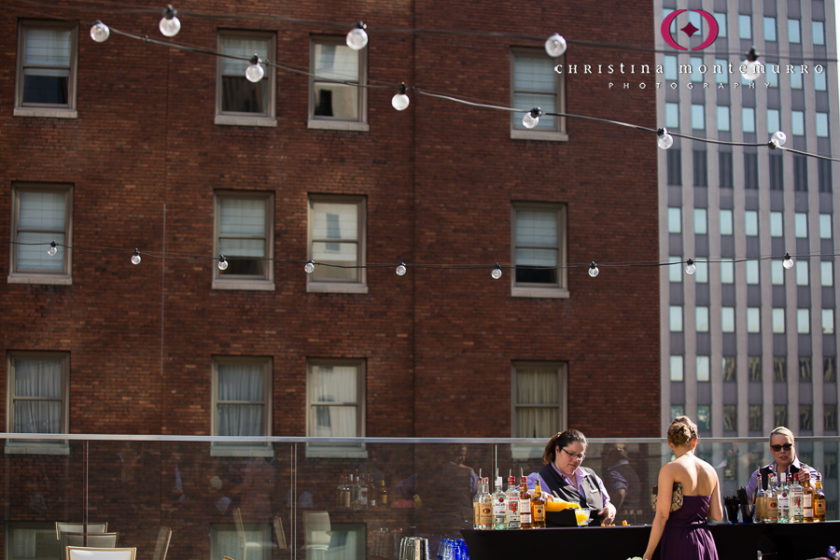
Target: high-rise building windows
777	170
803	321
824	175
821	125
778	316
794	35
670	67
674	220
748	119
725	221
721	22
800	173
750	170
700	168
769	28
725	169
777	274
721	71
675	320
696	65
818	32
673	163
701	318
825	226
744	26
727	319
701	224
801	268
676	369
752	268
773	122
703	368
751	222
776	224
800	225
753	319
672	115
722	117
727	272
675	271
820	80
828	321
826	273
698	117
795	78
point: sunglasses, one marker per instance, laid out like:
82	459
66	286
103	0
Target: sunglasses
785	446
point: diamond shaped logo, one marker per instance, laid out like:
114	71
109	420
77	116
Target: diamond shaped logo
689	29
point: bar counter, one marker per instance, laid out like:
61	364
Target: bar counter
795	541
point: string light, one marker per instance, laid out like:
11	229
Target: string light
53	249
496	273
255	71
593	270
555	45
778	139
357	38
532	118
690	267
663	139
99	32
135	258
752	68
787	262
309	267
169	24
223	263
401	270
400	100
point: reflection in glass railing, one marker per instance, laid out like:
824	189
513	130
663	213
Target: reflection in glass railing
275	498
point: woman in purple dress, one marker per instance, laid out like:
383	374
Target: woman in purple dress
681	529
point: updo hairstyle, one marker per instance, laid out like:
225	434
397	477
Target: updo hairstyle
682	431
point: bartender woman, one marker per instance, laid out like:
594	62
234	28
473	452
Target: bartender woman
563	475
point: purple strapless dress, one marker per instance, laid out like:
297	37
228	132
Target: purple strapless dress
686	536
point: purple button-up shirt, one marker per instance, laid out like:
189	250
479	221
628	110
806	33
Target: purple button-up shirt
580	474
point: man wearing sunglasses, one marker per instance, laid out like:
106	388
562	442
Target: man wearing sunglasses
783	450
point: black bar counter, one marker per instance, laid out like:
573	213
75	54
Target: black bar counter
794	541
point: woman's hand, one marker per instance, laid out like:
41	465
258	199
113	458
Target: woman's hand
608	513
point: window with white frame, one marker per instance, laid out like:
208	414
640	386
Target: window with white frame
241	395
337	92
38	399
46	69
539	250
243	239
335	396
337	244
238	100
536	84
41	234
539	399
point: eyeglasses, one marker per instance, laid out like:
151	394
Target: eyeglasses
582	456
785	446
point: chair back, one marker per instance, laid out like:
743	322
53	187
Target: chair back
318	529
73	527
162	544
94	540
92	553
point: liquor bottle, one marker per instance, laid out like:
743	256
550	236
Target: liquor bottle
485	515
760	501
819	501
772	512
477	505
524	504
783	499
343	492
512	513
796	499
538	508
499	506
363	492
807	501
383	494
372	495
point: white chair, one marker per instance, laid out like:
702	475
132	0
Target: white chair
90	553
94	540
72	527
318	533
162	544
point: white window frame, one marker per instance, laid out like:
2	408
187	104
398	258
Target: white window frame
560	289
65	250
561	369
359	124
32	109
517	130
354	286
37	447
317	449
227	281
238	118
244	448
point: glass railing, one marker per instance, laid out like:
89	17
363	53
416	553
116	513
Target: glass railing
290	498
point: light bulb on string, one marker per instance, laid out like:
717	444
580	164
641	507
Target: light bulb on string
663	139
357	38
555	45
690	267
778	139
401	269
135	258
496	273
169	24
751	68
400	100
255	71
593	269
532	118
52	249
223	263
787	262
99	32
309	267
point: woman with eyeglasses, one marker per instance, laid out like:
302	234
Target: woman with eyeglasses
783	450
563	476
680	530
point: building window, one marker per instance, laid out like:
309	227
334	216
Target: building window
335	403
773	122
805	368
729	368
676	368
703	368
750	223
776	224
744	26
778	320
769	28
246	540
779	369
698	117
670	67
826	273
701	226
241	396
675	271
701	318
46	69
801	269
695	62
803	321
701	274
829	369
727	272
674	219
539	246
673	161
41	215
821	125
38	399
818	32
337	96
797	118
754	368
244	229
750	170
725	169
825	226
238	100
830	417
672	115
800	225
725	221
753	320
536	84
800	173
820	81
777	274
700	168
824	175
32	540
793	31
721	21
748	119
539	407
755	418
703	413
752	270
828	321
776	172
337	244
675	318
727	319
721	70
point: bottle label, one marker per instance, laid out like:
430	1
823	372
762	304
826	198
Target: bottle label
539	513
499	507
525	510
513	510
819	508
486	515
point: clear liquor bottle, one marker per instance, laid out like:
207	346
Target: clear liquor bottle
760	500
783	499
485	516
512	513
477	504
796	500
499	506
772	511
